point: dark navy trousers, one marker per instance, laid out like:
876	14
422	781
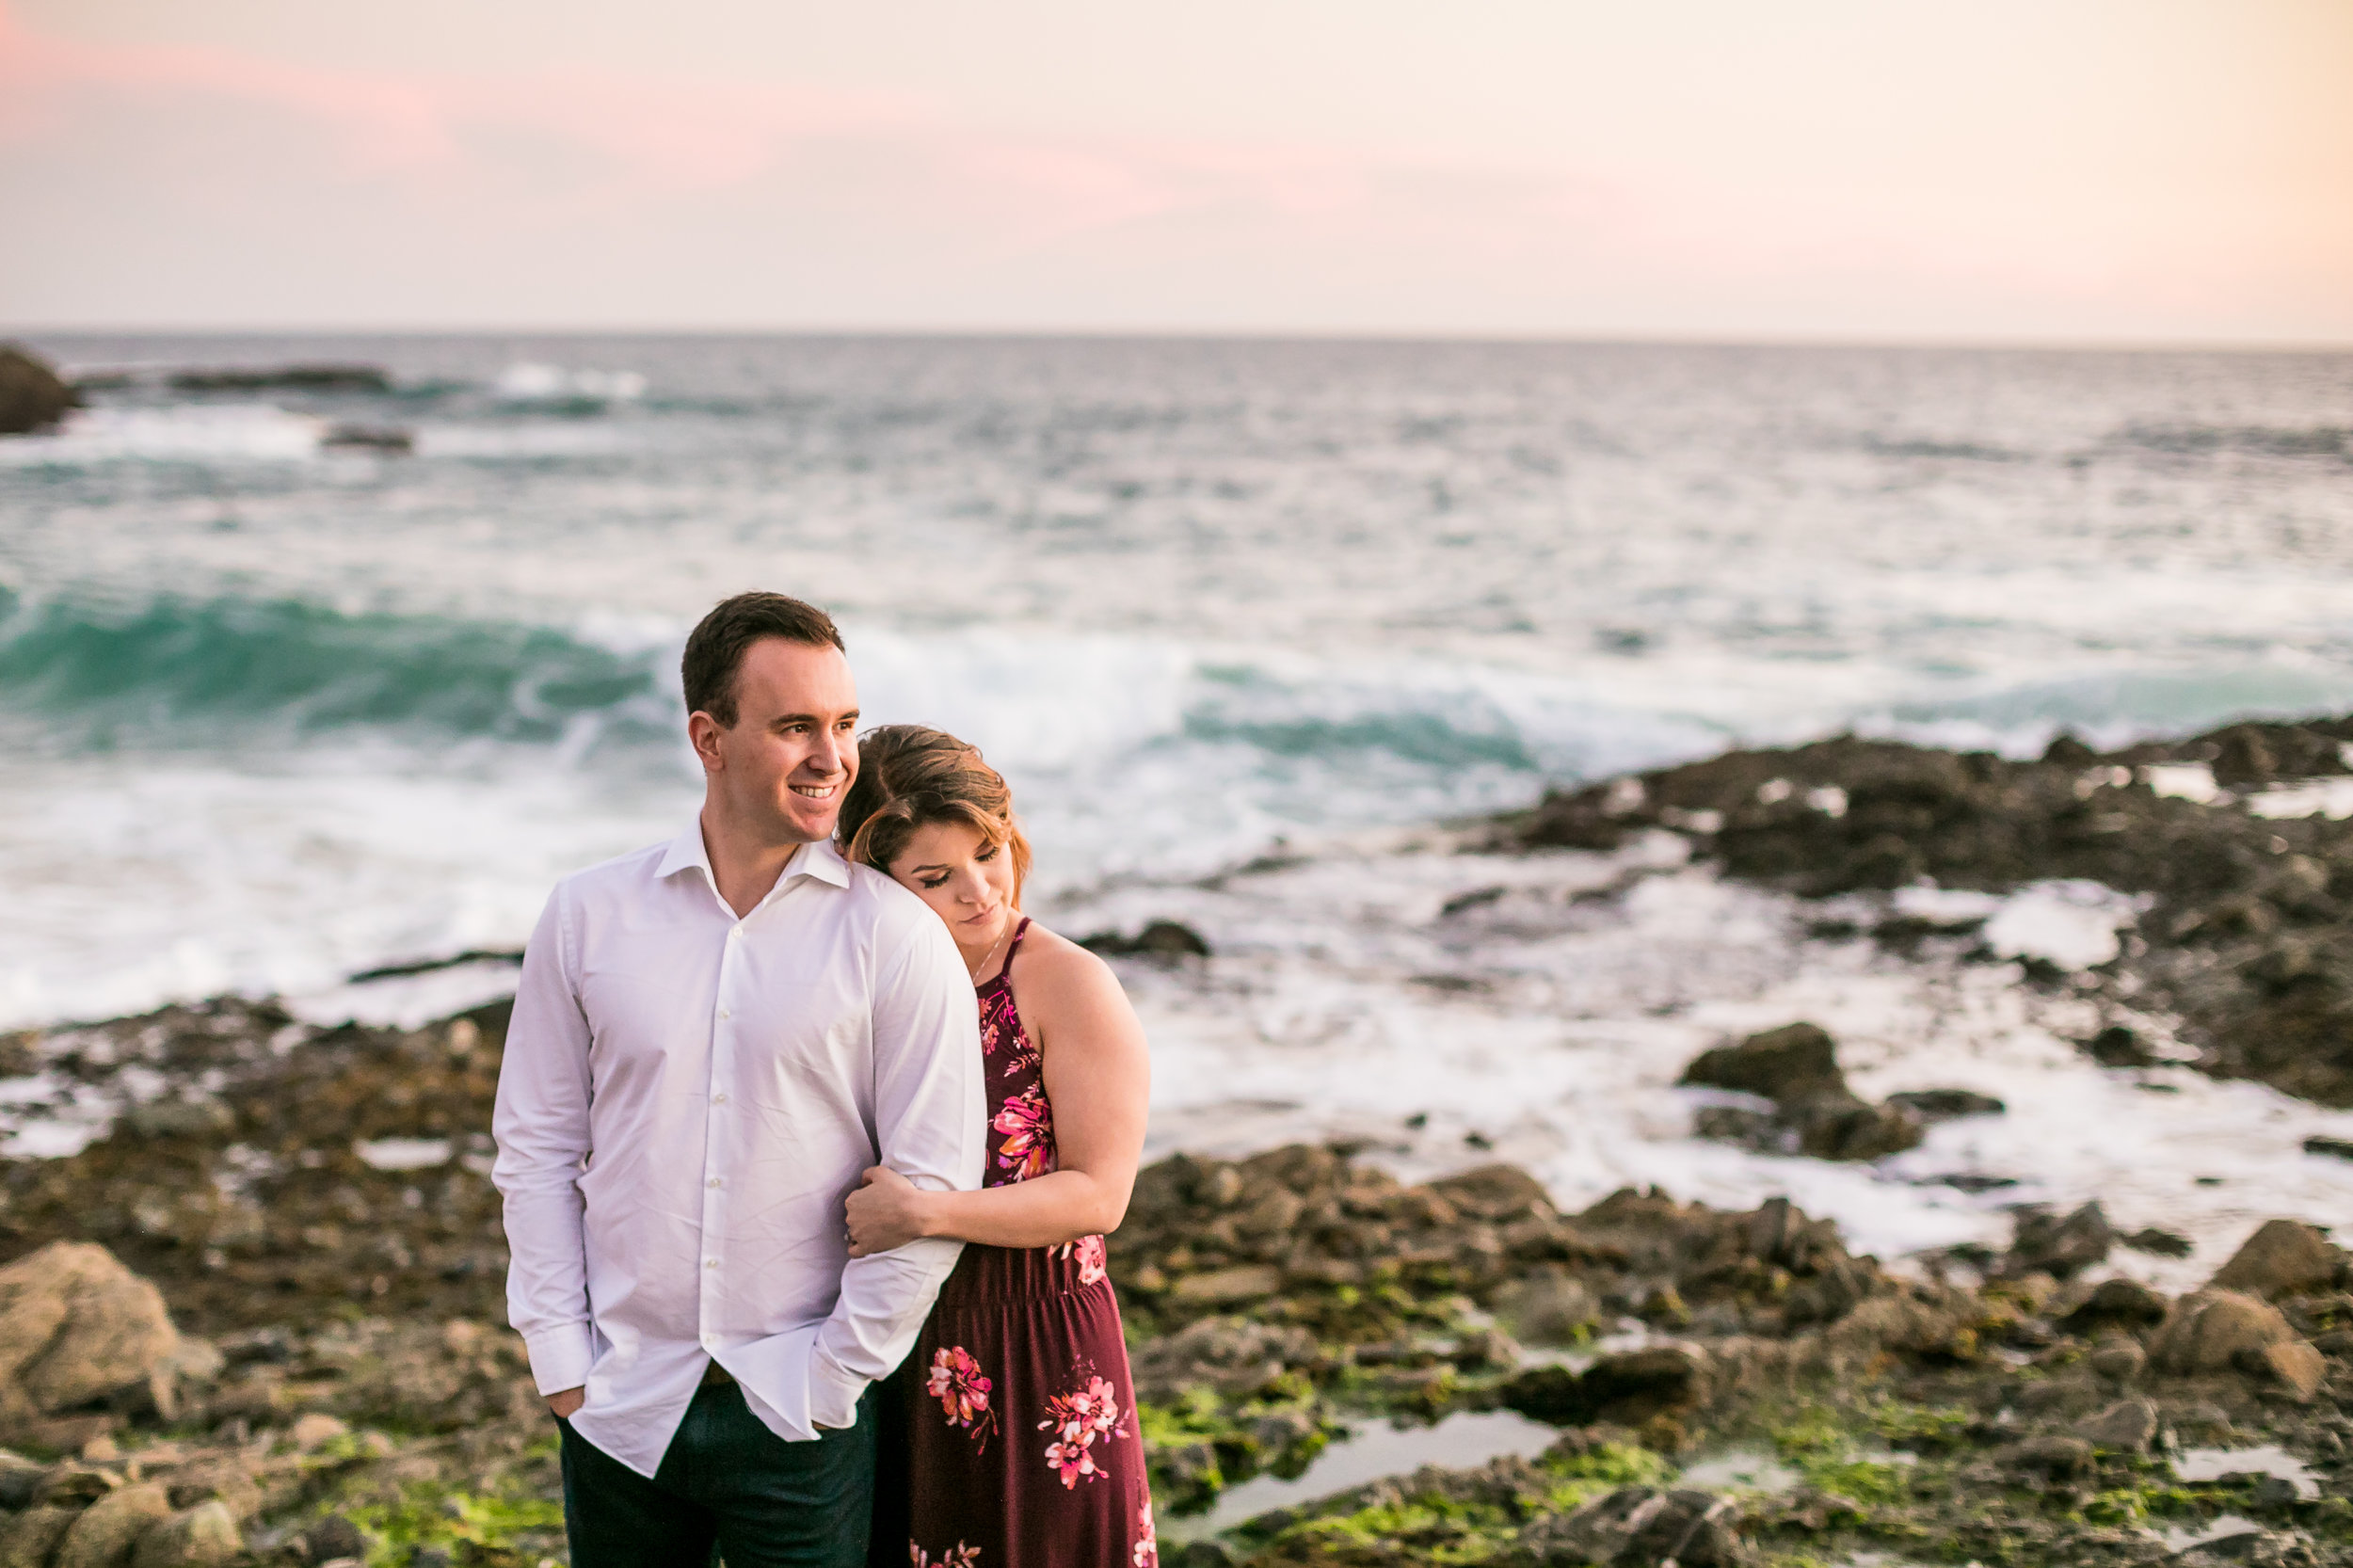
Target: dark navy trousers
728	1487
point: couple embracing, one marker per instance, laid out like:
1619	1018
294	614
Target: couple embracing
809	1140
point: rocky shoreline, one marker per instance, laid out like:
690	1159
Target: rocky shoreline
259	1319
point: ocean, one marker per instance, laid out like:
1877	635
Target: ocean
274	711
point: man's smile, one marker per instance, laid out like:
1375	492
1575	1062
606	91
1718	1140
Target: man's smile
817	792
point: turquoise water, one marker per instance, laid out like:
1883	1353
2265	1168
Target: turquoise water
270	713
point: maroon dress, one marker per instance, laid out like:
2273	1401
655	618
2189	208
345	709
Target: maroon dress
1009	1438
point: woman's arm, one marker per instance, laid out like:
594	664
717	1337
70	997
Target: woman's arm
1098	1076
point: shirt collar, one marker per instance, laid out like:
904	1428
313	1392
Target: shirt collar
821	859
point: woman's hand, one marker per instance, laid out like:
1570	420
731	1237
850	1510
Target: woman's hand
885	1211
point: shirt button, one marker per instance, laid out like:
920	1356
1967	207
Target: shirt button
724	1013
719	1100
714	1181
710	1262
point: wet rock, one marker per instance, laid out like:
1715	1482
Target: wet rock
2120	1046
1789	1062
30	1539
1627	1388
75	1486
297	378
1159	939
2341	1148
1224	1353
1496	1193
2159	1243
316	1429
1554	1309
1830	1127
1947	1105
32	396
2128	1426
19	1477
1225	1287
206	1536
1641	1526
2119	1360
2247	1548
109	1528
2051	1461
2294	1364
2117	1303
2282	1259
77	1327
2061	1247
2207	1331
332	1538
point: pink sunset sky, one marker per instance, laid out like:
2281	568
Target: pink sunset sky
2065	170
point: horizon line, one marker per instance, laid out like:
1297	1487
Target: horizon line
1998	343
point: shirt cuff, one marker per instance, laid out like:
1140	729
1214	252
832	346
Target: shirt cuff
833	1391
561	1357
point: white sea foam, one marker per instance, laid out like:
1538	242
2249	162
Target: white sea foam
2318	797
1552	1024
218	432
528	381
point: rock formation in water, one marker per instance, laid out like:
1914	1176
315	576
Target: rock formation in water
32	394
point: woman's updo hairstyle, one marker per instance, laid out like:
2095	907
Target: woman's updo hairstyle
909	777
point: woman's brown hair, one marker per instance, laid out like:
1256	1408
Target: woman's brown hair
909	777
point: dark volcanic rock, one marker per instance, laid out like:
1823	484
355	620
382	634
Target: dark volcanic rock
2250	935
1815	1113
2283	1258
1789	1062
32	396
1159	939
1641	1526
2124	1304
2045	1242
1947	1105
314	378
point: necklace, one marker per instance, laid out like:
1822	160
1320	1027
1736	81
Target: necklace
975	970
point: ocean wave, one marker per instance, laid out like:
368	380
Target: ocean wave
199	432
100	675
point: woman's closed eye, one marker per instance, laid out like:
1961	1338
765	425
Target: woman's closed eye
940	881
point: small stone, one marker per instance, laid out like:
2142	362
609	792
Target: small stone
2061	1248
2208	1330
19	1477
2282	1259
1789	1062
74	1486
315	1429
2341	1148
2160	1244
2054	1459
109	1528
28	1540
1224	1287
2120	1303
205	1536
2128	1426
333	1538
2294	1364
1945	1105
2119	1360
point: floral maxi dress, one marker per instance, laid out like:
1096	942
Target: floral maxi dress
1009	1438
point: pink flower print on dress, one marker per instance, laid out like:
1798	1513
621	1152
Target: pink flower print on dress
960	1555
1077	1419
1088	1251
962	1391
1147	1539
1027	1122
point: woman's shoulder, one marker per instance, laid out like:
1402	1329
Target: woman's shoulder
1050	972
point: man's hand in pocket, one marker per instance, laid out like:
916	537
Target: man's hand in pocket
563	1402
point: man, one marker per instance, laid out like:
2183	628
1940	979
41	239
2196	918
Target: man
712	1039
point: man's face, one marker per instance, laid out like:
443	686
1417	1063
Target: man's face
790	755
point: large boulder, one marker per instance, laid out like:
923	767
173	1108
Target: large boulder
2209	1331
32	396
2283	1258
77	1328
107	1530
1795	1062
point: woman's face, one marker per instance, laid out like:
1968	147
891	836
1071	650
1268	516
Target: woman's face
967	880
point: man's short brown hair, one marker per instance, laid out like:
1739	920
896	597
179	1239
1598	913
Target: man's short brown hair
715	648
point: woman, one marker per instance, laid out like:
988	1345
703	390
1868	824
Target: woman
1011	1438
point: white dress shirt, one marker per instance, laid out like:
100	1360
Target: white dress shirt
687	1100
